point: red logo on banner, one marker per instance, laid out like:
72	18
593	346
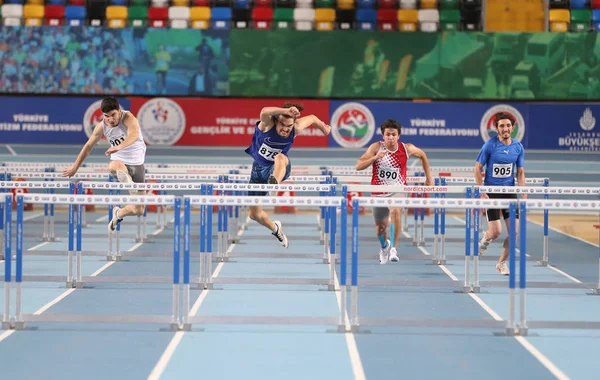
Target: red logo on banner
230	122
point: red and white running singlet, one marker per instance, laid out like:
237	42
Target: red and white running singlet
391	169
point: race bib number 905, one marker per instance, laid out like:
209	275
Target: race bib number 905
268	153
388	174
502	170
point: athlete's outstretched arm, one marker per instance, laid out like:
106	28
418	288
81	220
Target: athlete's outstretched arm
133	132
414	151
85	151
371	155
267	113
307	121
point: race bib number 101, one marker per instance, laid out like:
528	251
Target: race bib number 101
268	153
502	170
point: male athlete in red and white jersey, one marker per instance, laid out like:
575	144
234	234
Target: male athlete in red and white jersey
388	159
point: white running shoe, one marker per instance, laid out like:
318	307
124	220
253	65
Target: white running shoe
483	245
384	253
279	234
124	177
394	255
112	225
502	268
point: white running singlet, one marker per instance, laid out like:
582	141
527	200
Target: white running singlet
134	154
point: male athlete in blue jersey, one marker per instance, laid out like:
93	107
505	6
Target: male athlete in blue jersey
273	137
500	156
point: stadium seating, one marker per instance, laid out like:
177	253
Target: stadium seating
321	15
515	16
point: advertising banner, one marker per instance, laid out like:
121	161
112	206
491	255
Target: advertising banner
216	122
570	127
443	125
46	120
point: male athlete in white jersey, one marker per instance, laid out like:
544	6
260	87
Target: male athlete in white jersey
500	156
127	152
388	159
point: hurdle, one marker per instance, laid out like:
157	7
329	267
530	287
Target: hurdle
49	230
324	190
20	318
511	326
75	244
6	200
439	250
544	205
206	280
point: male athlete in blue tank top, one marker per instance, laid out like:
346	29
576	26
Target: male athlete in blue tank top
273	137
501	156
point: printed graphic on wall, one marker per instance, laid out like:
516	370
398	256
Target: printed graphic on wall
180	61
48	120
216	122
448	125
65	60
446	65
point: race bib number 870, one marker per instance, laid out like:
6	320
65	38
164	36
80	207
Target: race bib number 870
502	170
268	153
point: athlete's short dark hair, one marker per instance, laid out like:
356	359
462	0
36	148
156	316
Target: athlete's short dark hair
393	124
109	104
503	115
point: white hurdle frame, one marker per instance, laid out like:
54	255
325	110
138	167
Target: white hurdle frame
20	318
511	326
206	279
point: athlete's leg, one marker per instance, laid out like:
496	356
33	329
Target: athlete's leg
261	174
493	231
280	168
505	245
395	214
381	216
126	174
257	214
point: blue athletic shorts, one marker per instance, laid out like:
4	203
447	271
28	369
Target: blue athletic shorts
260	174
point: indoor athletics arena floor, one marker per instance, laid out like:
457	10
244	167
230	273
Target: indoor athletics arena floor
250	351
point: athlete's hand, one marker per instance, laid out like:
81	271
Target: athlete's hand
428	181
293	111
379	155
483	196
327	129
111	150
69	172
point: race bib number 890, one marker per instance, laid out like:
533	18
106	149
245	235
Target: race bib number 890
502	170
268	153
388	174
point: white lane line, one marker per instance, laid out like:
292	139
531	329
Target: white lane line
11	150
166	356
564	233
524	342
33	216
56	300
549	266
355	361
